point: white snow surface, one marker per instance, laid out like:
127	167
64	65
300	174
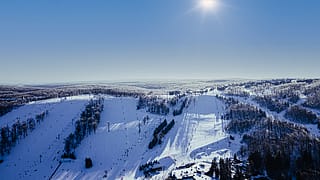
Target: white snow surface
117	149
46	140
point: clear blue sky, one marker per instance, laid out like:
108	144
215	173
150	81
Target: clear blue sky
92	40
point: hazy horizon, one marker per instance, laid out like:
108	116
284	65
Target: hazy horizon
146	81
84	41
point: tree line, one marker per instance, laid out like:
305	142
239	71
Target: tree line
302	115
243	117
153	104
282	149
160	132
179	111
87	124
271	103
18	130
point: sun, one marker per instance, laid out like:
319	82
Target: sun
208	5
207	8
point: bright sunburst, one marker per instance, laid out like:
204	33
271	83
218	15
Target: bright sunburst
208	5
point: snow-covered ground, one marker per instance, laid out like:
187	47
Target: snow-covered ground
120	144
118	153
37	155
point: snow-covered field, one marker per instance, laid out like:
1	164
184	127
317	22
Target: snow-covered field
37	155
119	146
118	154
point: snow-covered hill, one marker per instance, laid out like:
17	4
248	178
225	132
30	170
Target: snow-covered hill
37	155
175	134
120	144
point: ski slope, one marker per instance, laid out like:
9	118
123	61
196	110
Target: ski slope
36	155
118	153
120	144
